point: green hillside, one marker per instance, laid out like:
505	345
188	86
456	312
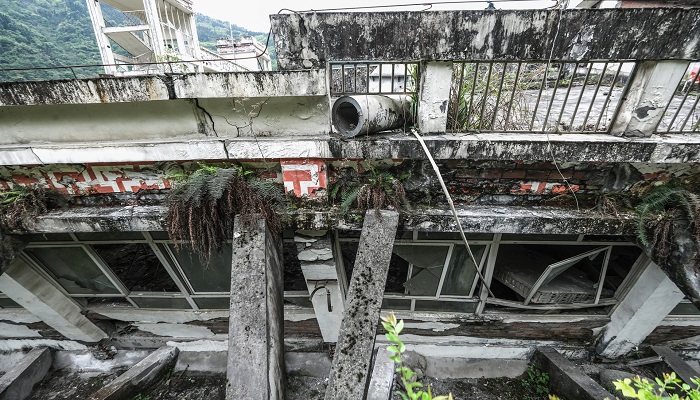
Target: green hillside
45	33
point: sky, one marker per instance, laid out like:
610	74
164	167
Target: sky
255	15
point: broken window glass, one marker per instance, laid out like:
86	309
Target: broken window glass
427	263
137	266
461	271
73	269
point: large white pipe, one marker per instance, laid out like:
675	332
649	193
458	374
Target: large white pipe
354	115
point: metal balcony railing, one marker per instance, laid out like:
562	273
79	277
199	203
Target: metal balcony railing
581	97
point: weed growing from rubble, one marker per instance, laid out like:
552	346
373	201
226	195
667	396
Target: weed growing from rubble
411	388
202	206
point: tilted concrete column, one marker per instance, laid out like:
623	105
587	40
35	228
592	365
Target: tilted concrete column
321	274
255	368
650	299
435	84
38	296
649	93
353	354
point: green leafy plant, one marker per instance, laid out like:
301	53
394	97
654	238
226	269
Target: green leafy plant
20	204
657	213
412	389
377	189
201	206
536	381
670	387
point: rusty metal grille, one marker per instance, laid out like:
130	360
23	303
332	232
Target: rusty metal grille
536	96
682	114
349	78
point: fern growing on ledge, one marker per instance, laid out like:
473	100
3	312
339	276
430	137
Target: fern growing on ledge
657	213
202	206
377	190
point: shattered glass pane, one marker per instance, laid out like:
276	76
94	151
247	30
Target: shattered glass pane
73	269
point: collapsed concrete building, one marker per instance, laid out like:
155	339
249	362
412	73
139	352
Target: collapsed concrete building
546	127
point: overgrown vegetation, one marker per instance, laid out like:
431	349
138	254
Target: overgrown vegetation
410	389
375	189
478	101
670	387
536	381
663	206
202	206
20	205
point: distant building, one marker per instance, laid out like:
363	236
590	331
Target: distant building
149	36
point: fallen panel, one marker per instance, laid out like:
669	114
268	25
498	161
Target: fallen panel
566	380
17	384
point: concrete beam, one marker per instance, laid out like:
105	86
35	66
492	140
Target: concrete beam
17	384
486	35
40	297
651	297
349	376
321	274
435	84
140	376
566	380
256	347
649	94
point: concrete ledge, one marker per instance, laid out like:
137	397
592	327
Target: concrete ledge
164	87
477	219
669	149
139	376
672	362
17	384
565	379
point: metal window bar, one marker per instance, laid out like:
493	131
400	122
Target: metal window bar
390	78
682	113
536	96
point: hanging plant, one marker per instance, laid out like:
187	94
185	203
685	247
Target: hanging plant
660	212
20	205
202	206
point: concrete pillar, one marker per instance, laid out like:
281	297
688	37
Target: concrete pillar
321	274
649	93
40	297
255	368
651	297
353	354
435	84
